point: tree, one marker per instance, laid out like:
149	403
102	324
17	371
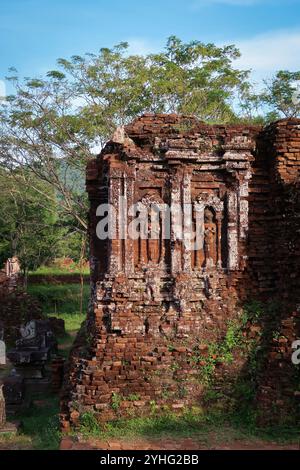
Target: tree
52	125
282	95
28	226
251	106
197	79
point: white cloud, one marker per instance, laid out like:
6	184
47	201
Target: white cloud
142	46
267	53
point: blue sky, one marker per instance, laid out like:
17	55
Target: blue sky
34	33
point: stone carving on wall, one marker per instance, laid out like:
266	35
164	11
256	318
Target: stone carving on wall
148	248
36	344
12	267
152	287
210	238
10	274
208	213
28	331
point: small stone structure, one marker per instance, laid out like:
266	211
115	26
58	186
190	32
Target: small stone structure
16	306
153	301
10	274
14	391
35	346
12	270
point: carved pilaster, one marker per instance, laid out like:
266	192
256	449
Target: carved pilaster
187	221
176	222
232	231
129	242
219	240
114	252
237	162
243	193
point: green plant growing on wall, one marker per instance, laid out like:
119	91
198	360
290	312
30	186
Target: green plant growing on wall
166	394
134	397
223	352
175	367
153	407
252	311
116	400
182	391
89	424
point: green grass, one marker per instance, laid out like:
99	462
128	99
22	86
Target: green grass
58	271
72	321
15	442
205	427
62	299
152	426
41	424
40	428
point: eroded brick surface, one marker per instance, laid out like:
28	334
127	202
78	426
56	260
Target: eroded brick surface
153	302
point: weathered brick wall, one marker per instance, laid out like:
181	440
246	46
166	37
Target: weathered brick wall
279	382
153	307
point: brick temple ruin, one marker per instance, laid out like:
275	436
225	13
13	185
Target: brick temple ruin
153	301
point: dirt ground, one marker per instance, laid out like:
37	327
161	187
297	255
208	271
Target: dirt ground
210	443
68	443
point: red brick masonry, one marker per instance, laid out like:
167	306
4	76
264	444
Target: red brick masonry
153	303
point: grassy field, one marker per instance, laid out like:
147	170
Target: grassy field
204	426
63	301
58	270
40	429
